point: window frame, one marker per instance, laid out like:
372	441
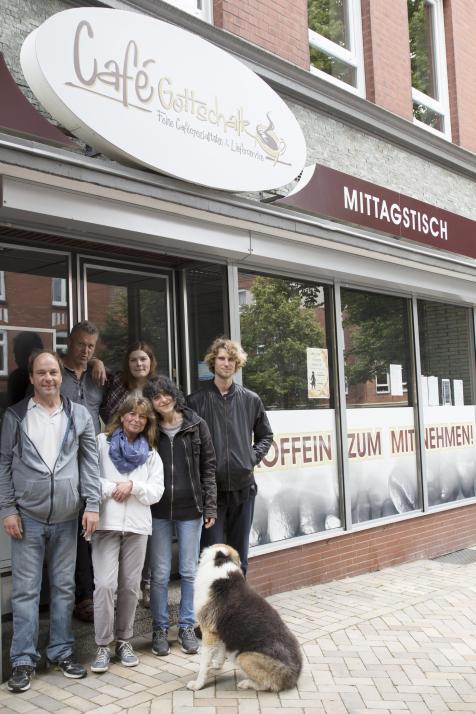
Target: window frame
4	351
205	13
354	57
382	387
61	341
63	302
3	294
440	106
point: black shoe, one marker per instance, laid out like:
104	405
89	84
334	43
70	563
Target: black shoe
70	667
20	678
160	643
188	640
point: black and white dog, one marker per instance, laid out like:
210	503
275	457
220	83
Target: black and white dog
234	619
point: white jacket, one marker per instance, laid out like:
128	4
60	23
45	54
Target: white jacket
132	515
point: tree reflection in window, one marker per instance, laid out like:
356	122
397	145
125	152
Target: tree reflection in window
284	318
376	336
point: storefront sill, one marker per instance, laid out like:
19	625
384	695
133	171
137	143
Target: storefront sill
357	528
241	213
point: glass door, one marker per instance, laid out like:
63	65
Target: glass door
129	304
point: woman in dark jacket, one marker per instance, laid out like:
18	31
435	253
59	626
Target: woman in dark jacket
189	500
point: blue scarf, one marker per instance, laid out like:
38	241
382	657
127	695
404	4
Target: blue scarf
127	456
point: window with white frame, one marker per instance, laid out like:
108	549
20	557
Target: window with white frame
3	353
2	285
382	383
200	8
428	65
244	297
335	43
58	291
61	342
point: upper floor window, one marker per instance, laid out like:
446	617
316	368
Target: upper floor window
58	291
428	65
335	42
2	285
200	8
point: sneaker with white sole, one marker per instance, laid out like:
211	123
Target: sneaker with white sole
101	661
20	678
187	640
70	667
126	654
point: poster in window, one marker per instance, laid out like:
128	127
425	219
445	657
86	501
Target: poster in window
317	373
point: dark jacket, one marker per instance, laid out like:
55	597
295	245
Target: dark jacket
27	485
240	430
189	471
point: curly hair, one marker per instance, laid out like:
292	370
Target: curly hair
233	349
142	406
127	378
164	385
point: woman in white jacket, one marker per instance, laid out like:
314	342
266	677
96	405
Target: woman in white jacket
132	478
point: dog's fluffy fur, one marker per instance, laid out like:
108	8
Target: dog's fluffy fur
235	619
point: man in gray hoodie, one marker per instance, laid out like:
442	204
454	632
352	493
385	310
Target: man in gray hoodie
48	463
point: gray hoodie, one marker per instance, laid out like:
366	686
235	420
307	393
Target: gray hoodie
28	485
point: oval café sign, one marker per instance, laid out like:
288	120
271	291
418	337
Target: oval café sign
146	92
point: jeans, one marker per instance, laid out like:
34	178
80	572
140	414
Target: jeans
188	536
232	526
56	542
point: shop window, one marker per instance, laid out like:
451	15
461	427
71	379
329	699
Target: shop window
127	304
207	307
447	392
3	353
30	275
285	330
58	291
381	446
200	8
428	65
3	295
335	42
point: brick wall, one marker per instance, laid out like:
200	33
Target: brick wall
460	20
386	55
355	553
278	26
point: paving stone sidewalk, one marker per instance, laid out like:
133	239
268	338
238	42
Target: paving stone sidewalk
399	640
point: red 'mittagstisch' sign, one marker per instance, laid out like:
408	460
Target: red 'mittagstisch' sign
324	191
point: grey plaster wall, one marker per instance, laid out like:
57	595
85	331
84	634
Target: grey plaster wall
17	19
344	148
